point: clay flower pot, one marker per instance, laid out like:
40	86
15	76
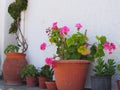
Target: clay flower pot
71	74
12	66
51	85
31	81
42	81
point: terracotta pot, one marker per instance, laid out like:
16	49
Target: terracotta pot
42	81
51	85
31	81
118	84
12	66
71	74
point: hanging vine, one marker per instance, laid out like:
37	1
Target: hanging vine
15	10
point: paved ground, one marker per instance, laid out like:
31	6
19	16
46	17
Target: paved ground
3	86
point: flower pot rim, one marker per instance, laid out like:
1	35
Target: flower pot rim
73	61
11	53
101	76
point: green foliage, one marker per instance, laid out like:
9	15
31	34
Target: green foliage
100	48
105	68
46	71
16	8
29	70
13	28
77	39
11	48
67	48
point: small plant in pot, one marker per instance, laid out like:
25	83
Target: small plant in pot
45	74
29	72
15	54
104	69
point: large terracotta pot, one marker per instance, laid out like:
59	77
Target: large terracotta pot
12	66
71	74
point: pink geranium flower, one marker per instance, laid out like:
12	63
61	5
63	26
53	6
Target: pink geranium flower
109	46
55	27
64	30
49	61
43	46
79	26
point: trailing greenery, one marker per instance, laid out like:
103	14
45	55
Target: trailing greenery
15	10
103	68
29	70
11	48
47	72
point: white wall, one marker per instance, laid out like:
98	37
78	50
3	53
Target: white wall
100	17
6	20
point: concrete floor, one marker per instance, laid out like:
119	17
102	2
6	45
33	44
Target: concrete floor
3	86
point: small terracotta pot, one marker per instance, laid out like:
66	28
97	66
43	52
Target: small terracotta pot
118	84
42	81
31	81
51	85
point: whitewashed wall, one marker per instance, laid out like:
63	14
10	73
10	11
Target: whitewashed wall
100	17
5	21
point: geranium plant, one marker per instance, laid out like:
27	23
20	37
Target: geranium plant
75	46
69	47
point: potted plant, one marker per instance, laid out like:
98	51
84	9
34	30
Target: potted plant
118	81
29	72
104	69
15	60
45	75
50	83
73	52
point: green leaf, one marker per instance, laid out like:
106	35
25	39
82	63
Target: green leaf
102	39
70	42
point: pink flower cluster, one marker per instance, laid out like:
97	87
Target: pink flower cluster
109	46
65	29
50	61
79	26
43	46
55	27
